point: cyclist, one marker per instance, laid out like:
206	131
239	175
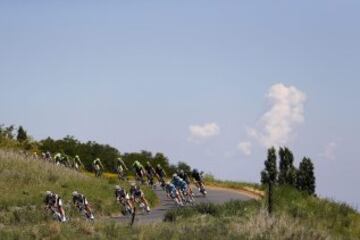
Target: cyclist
122	163
198	177
150	172
48	156
120	169
54	203
123	197
173	193
161	174
184	176
139	171
82	204
77	163
182	187
58	158
137	196
98	167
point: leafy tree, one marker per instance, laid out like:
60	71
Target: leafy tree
269	174
9	132
184	166
21	135
306	177
172	169
87	151
287	171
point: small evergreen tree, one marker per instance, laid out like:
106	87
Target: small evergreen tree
306	177
21	135
287	173
269	174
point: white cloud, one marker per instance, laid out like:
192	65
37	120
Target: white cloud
202	132
245	148
330	151
286	111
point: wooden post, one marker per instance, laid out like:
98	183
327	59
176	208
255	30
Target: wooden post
270	198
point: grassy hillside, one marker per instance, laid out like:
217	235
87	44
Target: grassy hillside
296	215
24	180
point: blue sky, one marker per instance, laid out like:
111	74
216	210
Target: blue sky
139	74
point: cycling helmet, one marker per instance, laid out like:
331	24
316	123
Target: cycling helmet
74	194
117	187
48	193
182	172
174	175
195	170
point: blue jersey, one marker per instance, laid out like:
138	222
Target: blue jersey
171	190
179	183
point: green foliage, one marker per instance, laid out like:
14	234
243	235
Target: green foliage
144	156
287	171
69	146
232	208
303	178
294	211
6	137
338	219
87	152
184	166
90	150
204	227
21	135
7	132
306	177
270	172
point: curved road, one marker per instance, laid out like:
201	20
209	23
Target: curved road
215	195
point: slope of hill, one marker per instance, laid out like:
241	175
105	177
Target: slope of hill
24	180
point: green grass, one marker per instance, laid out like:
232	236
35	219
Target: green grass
339	219
255	225
296	215
23	182
305	215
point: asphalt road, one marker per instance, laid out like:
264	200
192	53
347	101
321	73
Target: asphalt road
157	214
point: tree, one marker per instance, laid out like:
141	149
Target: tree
269	174
8	132
287	171
306	177
184	166
21	135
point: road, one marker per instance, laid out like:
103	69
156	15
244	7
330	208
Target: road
215	195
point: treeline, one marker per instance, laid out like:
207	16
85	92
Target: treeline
302	178
12	137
